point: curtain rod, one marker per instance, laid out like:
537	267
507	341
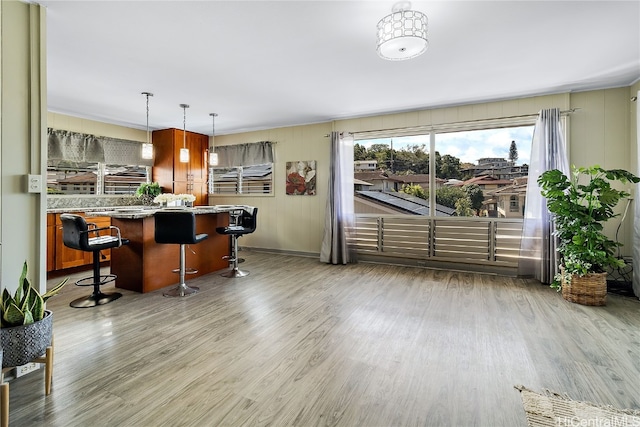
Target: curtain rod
327	135
562	112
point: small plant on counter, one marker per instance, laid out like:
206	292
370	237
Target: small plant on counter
26	305
147	191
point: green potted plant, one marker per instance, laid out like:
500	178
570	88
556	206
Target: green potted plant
580	205
26	327
147	191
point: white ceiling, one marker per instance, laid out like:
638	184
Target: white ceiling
265	64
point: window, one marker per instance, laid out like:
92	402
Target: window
95	178
257	179
72	179
466	174
513	204
124	179
243	169
79	163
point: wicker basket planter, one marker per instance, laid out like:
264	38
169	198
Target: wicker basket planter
590	289
21	344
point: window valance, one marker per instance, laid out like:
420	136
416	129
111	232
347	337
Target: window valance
254	153
66	147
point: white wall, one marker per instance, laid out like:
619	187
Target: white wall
92	127
22	130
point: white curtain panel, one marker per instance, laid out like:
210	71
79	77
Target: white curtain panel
636	217
339	215
538	255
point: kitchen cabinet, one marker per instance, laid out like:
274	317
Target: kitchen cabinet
51	242
177	177
64	257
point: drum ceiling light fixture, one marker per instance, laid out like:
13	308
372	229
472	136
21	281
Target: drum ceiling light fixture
402	34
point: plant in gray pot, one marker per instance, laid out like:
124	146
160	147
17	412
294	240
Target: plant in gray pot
27	328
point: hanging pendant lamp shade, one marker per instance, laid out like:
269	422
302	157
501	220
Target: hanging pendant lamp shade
147	147
402	34
184	151
213	156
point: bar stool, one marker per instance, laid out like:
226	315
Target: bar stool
178	227
75	234
245	224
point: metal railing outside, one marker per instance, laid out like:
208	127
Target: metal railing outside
479	241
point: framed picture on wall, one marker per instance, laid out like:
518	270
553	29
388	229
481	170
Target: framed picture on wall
301	178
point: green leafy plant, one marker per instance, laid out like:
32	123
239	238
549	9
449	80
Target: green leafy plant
580	205
147	191
27	305
151	189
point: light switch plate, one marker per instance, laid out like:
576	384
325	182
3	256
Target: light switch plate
34	183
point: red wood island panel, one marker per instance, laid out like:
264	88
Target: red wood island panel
144	265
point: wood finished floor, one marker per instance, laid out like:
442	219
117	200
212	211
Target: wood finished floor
300	343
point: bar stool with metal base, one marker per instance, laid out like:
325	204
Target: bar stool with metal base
245	224
178	227
76	232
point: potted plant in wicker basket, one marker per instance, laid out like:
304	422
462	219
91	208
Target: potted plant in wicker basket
27	328
580	205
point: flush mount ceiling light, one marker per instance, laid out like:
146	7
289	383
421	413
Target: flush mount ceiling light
147	147
402	34
213	157
184	151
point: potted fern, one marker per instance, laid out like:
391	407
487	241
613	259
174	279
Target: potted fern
27	327
580	205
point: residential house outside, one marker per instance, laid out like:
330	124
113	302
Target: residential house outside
498	168
365	165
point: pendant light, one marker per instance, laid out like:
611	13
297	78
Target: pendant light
213	157
184	151
147	147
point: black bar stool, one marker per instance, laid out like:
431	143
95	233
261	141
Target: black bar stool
75	234
245	224
178	227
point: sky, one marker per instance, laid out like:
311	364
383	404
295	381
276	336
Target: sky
469	146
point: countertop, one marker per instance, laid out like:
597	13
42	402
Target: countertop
134	212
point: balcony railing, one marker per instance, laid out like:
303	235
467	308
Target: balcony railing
470	243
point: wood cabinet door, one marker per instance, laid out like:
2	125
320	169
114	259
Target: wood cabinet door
51	242
197	147
67	257
180	170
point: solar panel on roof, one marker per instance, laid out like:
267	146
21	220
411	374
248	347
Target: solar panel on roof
414	205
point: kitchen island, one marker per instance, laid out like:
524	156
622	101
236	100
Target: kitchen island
144	265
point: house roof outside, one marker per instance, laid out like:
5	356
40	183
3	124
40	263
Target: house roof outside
418	178
374	176
487	180
406	203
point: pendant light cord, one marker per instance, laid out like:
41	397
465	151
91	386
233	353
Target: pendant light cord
148	95
184	125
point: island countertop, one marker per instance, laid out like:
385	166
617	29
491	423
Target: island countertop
139	212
